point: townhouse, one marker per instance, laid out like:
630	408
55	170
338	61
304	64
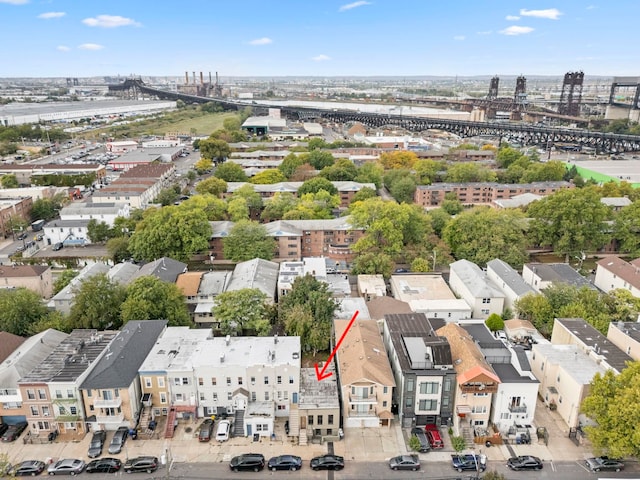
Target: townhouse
542	275
318	408
37	278
211	285
64	299
508	281
470	283
289	271
614	273
626	336
111	393
371	286
12	209
51	391
366	378
422	367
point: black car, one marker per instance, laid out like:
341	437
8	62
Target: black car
465	462
247	462
285	462
14	431
104	465
524	462
597	464
3	428
327	462
97	442
28	467
405	462
206	430
141	464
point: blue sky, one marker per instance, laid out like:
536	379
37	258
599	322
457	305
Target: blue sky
80	38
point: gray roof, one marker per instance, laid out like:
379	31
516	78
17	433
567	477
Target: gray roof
123	272
287	228
28	356
165	268
559	272
523	360
631	329
90	208
175	349
315	394
483	336
510	277
574	361
508	374
72	357
616	201
214	282
507	186
67	223
119	366
67	293
475	280
256	273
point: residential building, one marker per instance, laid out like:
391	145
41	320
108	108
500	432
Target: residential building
20	361
111	392
318	407
517	201
476	383
64	299
371	286
616	203
51	391
37	278
189	284
429	294
614	273
381	306
257	273
212	284
12	209
470	283
542	275
123	272
8	343
626	336
68	232
165	269
289	271
25	172
100	212
145	156
508	281
36	193
422	367
366	378
348	306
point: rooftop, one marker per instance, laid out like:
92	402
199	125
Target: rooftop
315	394
629	272
475	280
256	273
573	361
559	272
247	351
420	287
509	277
174	349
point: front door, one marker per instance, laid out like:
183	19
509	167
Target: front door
249	429
240	403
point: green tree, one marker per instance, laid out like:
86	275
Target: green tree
278	205
213	186
571	221
398	159
268	177
213	149
203	165
494	322
370	172
242	312
253	199
20	309
64	279
97	302
237	209
369	263
248	240
403	189
9	181
439	220
230	172
214	208
118	249
149	298
170	232
342	170
552	171
482	234
316	144
469	172
414	443
319	159
420	265
507	155
626	229
98	232
290	163
363	194
458	443
613	405
426	171
315	185
313	206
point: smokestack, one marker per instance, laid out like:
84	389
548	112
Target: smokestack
209	78
201	79
186	78
194	77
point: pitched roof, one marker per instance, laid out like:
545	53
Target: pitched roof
362	355
189	283
475	279
119	366
468	360
628	272
8	343
14	271
559	272
509	277
380	306
165	268
256	273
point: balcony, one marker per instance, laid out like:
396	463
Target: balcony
105	419
369	399
67	418
518	408
368	413
482	388
107	403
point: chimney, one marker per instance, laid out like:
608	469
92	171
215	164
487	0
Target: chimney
209	78
201	79
194	77
227	340
275	338
186	78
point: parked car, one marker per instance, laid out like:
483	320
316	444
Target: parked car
104	465
206	430
425	446
22	236
405	462
57	246
247	462
327	462
146	464
597	464
28	467
524	462
433	434
66	466
117	442
469	461
3	428
14	431
224	429
285	462
97	442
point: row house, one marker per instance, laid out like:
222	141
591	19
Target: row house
25	172
423	370
318	408
366	378
626	336
211	285
470	283
295	239
346	189
476	383
23	358
289	271
37	278
51	391
614	273
431	196
508	281
111	393
12	209
256	379
542	275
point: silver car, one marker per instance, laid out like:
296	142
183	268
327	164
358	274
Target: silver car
67	466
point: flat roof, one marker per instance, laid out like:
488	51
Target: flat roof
420	287
627	170
315	394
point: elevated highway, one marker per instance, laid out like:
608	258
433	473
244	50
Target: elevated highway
523	133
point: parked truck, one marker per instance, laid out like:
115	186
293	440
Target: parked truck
37	225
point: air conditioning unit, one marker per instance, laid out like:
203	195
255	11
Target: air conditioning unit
45	414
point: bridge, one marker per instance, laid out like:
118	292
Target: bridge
523	133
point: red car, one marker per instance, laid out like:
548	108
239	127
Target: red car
433	434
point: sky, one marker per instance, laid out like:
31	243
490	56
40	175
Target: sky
324	38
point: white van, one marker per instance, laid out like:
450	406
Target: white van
222	434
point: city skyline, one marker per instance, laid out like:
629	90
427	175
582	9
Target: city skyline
63	38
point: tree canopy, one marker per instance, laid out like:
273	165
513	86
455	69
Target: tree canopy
213	185
214	149
248	240
149	298
230	172
315	185
20	310
96	304
241	312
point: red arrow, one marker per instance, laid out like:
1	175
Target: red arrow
320	374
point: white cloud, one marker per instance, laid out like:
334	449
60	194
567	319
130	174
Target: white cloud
516	30
485	32
15	2
90	46
512	18
321	58
591	7
349	6
459	37
550	13
49	15
110	21
261	41
62	48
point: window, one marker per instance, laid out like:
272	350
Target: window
179	397
176	381
291	380
213	381
161	382
485	311
310	420
558	378
239	380
185	381
429	387
385	390
479	409
505	416
229	396
410	385
320	419
58	394
42	395
253	380
486	300
447	385
147	382
215	397
445	402
73	410
408	402
330	419
542	366
279	380
266	380
202	398
560	399
286	395
427	405
35	412
163	397
228	381
200	381
253	396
